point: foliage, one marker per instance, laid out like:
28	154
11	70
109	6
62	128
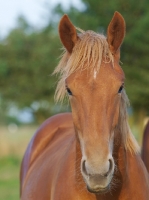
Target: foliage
26	64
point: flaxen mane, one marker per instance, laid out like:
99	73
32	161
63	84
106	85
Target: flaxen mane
88	52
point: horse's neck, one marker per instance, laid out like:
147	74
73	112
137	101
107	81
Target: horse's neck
120	158
131	173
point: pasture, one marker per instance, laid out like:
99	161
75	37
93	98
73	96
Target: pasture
12	146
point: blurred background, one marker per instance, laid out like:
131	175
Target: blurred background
29	52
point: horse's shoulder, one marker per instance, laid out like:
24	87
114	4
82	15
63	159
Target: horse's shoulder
47	131
142	178
45	134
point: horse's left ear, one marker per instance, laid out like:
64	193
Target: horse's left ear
116	32
67	33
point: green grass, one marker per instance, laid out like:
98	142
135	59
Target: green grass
12	148
9	178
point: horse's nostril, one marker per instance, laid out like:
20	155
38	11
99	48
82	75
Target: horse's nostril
110	168
84	168
110	165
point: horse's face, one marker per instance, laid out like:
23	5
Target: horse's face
95	100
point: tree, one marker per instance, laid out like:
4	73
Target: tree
27	61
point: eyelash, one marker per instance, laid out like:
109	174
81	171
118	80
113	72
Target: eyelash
120	89
68	91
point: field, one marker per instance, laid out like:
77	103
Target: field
12	146
13	142
9	184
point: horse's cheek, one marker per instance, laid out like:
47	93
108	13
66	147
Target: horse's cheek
76	115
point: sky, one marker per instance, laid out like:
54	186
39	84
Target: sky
33	10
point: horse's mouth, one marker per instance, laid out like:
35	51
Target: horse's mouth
99	190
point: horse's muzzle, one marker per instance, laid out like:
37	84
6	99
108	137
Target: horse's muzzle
98	183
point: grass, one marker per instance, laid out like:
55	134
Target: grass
14	141
9	178
12	147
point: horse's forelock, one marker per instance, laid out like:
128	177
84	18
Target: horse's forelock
89	51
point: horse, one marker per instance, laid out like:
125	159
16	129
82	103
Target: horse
89	153
145	146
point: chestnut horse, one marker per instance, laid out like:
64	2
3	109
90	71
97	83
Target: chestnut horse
89	154
145	146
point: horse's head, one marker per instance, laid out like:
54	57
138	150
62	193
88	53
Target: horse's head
94	81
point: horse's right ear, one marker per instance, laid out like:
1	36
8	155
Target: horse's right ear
116	32
67	33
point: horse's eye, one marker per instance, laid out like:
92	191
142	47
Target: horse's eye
120	89
68	91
